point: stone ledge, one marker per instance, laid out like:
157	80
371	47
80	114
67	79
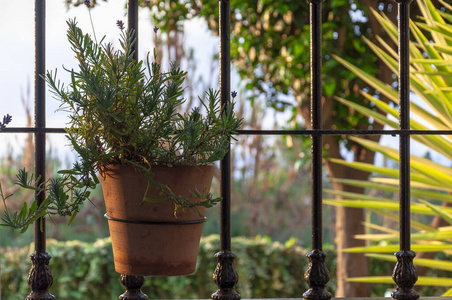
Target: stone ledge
357	298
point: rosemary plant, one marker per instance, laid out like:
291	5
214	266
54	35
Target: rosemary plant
124	111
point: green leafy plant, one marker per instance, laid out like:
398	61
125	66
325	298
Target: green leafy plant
431	69
126	112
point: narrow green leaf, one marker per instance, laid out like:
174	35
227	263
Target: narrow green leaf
443	145
424	166
376	236
431	16
380	228
368	184
439	211
380	118
385	89
424	262
433	13
386	46
448	7
445	15
395	248
421	189
349	195
24	229
74	214
444	29
367	167
437	281
395	217
418	85
34	206
379	205
391	185
430	236
443	74
389	27
388	60
448	293
437	62
23	211
389	172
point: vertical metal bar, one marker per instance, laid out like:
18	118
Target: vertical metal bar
317	274
40	117
404	120
316	122
40	276
132	20
225	275
404	274
225	91
133	284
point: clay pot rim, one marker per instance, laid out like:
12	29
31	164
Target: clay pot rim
103	169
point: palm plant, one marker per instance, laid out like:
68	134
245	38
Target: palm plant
431	189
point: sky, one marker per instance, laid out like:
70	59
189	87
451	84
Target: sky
17	53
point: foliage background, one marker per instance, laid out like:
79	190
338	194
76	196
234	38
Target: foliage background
82	270
266	269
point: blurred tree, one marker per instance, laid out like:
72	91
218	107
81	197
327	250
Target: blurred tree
270	50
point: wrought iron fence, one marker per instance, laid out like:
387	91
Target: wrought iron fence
40	277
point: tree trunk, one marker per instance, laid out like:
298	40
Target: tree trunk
349	220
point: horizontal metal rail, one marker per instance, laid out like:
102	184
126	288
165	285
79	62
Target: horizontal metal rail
392	132
344	132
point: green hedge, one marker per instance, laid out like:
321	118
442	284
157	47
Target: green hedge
85	271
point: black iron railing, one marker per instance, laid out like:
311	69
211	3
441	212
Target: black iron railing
225	276
40	277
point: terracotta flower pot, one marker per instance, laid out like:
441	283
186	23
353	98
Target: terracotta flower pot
147	239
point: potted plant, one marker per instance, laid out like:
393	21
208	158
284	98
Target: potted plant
154	163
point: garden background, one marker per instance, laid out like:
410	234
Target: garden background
273	205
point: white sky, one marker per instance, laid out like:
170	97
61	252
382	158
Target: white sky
17	52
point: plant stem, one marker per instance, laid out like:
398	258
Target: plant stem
92	25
